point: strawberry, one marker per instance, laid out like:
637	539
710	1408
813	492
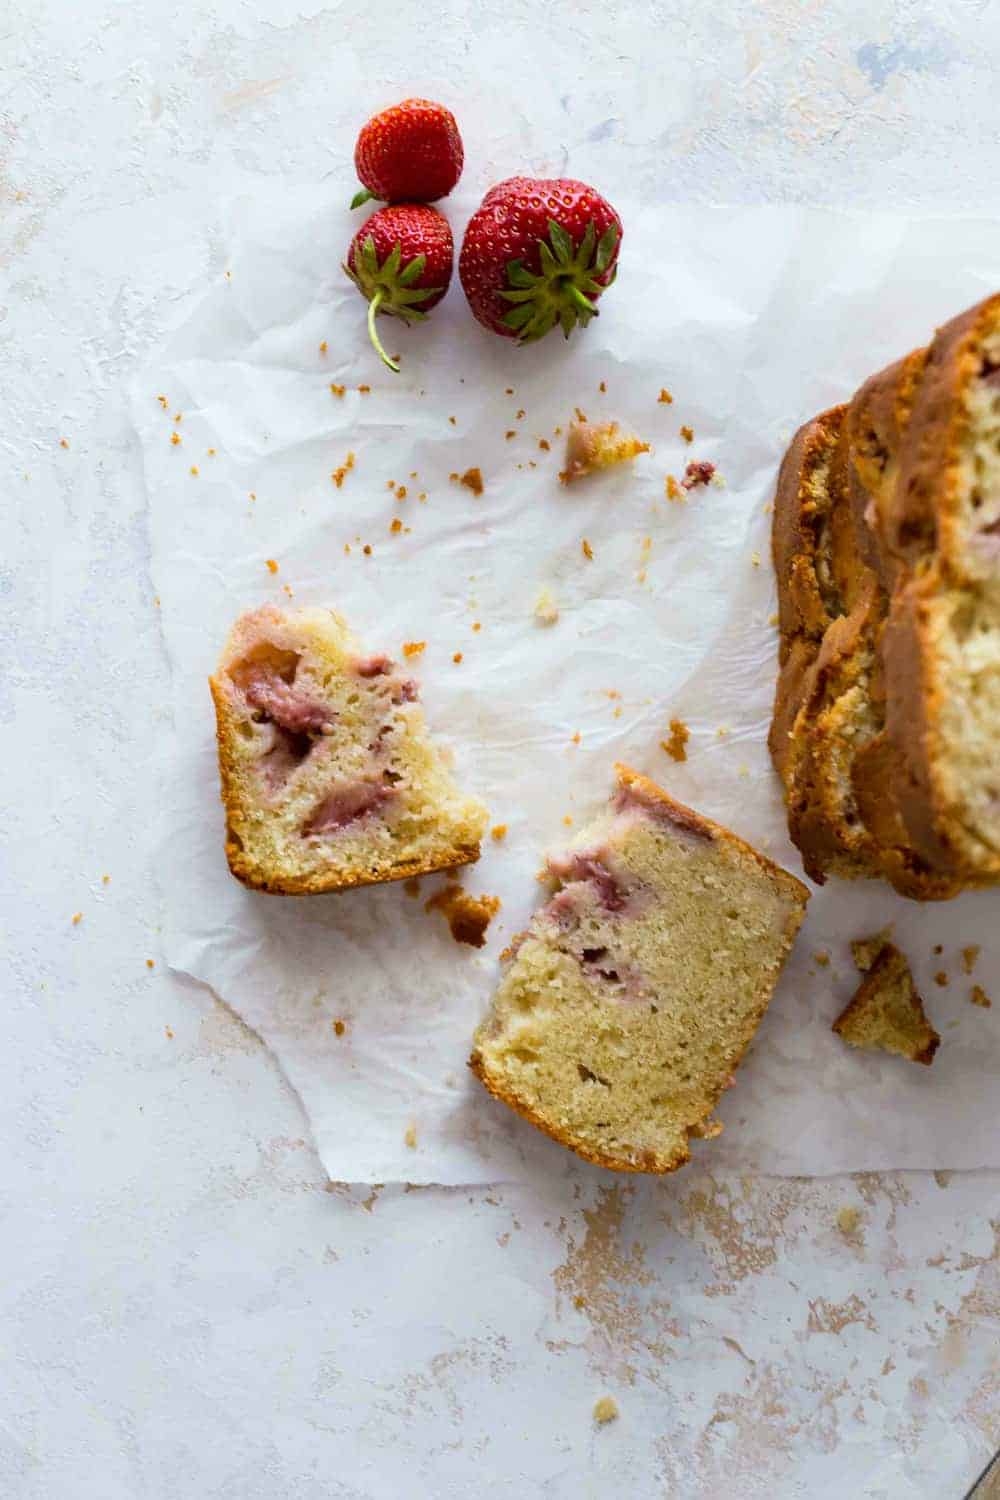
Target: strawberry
400	260
411	153
537	252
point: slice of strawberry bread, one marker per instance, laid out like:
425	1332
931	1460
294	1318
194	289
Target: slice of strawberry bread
627	1005
329	776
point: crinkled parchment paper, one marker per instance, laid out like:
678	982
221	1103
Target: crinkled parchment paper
754	320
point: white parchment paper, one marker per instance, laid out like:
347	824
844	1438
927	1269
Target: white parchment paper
754	319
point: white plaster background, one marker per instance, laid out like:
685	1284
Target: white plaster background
189	1308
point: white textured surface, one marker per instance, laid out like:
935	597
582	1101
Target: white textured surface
188	1309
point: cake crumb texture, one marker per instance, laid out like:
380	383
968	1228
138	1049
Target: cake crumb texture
887	1014
625	1009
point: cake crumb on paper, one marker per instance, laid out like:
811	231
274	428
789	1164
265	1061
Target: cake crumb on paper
498	832
587	550
674	491
979	997
665	398
414	648
410	1138
339	475
969	956
77	918
467	916
546	610
605	1410
822	958
676	745
687	433
272	566
941	979
339	1028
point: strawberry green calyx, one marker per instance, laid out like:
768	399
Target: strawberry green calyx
563	290
389	287
362	196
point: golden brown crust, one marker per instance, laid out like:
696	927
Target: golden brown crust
877	421
801	511
252	876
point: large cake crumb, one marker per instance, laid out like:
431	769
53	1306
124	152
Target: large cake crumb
467	916
605	1410
675	746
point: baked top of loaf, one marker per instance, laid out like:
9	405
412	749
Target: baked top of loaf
886	1013
626	1006
329	777
887	554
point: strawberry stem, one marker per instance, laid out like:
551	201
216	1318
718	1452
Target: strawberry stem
362	196
373	308
579	301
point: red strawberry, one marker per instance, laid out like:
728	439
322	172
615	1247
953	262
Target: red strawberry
401	259
411	153
537	252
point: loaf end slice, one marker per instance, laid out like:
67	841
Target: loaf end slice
887	1014
627	1005
329	776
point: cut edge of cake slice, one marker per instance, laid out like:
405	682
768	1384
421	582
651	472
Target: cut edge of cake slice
886	1013
329	777
626	1006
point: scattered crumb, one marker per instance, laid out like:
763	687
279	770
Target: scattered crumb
401	492
467	916
866	950
822	958
413	473
413	648
969	956
590	447
476	625
473	480
366	549
322	347
338	390
365	390
252	495
546	609
674	490
568	821
396	526
679	736
105	879
194	470
665	398
773	619
287	590
422	495
339	1028
701	472
581	416
755	559
498	831
722	731
77	918
980	997
603	387
510	434
64	442
453	421
557	432
544	444
937	949
210	452
339	475
272	566
519	415
605	1410
587	550
412	886
508	390
168	1033
150	963
941	978
178	417
163	402
687	433
575	739
410	1138
848	1218
579	1302
457	657
175	438
347	549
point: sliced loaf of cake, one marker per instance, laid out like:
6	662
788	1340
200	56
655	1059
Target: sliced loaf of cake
329	776
626	1007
